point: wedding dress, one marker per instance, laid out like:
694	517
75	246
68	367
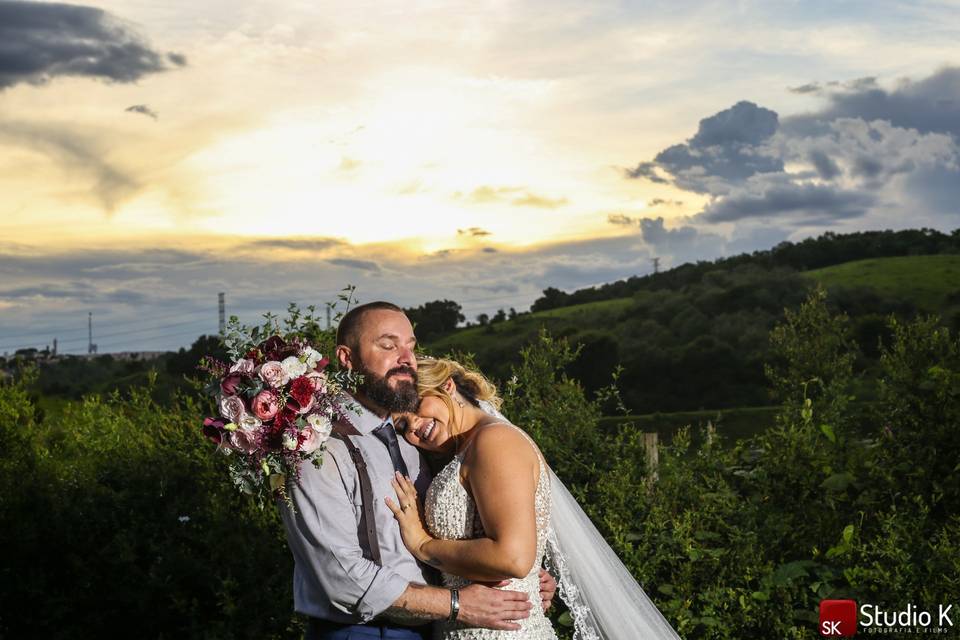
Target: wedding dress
451	514
604	599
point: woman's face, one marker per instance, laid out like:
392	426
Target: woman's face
429	427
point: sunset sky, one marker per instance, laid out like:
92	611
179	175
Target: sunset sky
155	153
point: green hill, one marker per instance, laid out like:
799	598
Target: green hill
931	283
701	345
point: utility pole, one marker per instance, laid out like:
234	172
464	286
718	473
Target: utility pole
328	316
223	312
54	346
656	265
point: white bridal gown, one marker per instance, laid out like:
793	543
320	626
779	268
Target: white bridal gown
451	514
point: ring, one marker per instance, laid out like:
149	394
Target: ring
404	507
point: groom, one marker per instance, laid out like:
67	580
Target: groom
338	581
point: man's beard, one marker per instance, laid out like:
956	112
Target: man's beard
401	399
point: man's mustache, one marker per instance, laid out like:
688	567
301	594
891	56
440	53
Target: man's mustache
410	371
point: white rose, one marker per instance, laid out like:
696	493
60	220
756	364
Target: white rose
315	433
293	368
311	357
249	423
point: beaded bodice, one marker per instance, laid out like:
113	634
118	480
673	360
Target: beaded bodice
451	513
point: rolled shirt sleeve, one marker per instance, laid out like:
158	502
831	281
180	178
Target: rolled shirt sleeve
334	578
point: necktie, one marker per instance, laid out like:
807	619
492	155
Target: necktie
387	435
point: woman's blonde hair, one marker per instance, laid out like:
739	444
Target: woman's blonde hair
432	373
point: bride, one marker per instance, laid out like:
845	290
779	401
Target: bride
497	512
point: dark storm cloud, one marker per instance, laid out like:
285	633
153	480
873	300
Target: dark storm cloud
866	150
40	41
930	105
801	203
726	149
826	168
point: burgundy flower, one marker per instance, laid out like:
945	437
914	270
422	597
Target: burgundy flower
229	384
301	389
213	429
322	364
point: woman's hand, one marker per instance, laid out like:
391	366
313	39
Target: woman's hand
407	513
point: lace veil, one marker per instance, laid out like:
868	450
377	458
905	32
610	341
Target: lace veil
604	600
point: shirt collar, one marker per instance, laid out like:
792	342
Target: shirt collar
366	421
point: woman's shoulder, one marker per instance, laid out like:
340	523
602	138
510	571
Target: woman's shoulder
504	439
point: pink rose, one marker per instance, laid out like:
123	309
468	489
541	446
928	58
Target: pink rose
319	380
245	441
273	374
265	405
244	366
232	408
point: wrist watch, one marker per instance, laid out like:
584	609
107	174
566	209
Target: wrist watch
454	605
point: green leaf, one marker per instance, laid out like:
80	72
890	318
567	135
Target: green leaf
848	533
838	482
763	596
565	620
828	431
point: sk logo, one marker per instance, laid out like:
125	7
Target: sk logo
838	618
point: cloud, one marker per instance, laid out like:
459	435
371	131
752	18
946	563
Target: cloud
294	244
800	203
656	202
620	219
517	196
142	109
533	200
727	149
351	263
930	105
78	152
473	232
42	41
811	87
75	291
864	153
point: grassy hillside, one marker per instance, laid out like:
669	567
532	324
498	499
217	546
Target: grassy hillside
931	283
701	346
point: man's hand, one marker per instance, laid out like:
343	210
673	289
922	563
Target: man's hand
482	606
548	588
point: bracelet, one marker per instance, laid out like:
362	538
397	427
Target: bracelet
454	605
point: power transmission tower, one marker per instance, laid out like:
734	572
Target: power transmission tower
328	315
656	264
91	348
223	312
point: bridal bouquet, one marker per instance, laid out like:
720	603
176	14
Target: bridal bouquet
277	404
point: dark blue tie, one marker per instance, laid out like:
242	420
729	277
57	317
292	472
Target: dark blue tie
388	436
